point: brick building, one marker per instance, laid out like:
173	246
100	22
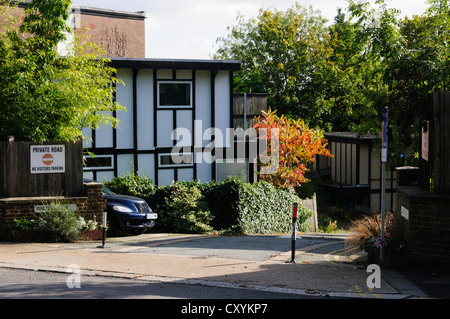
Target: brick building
120	33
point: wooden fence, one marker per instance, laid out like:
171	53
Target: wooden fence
247	106
435	168
23	174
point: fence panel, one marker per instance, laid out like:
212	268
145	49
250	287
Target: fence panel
17	180
435	172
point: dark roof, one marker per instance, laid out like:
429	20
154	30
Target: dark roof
140	15
175	64
349	137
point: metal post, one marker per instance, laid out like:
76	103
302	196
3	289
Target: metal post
104	223
294	231
383	199
384	144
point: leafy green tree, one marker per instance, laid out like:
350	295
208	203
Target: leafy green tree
341	77
280	53
44	96
351	90
413	56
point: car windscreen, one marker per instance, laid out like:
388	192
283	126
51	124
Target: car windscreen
107	191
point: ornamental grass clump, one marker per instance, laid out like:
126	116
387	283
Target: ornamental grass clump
367	228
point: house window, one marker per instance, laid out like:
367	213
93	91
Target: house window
232	168
99	162
176	94
175	160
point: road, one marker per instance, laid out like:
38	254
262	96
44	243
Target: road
28	284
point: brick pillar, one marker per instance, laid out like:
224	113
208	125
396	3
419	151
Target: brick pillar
94	193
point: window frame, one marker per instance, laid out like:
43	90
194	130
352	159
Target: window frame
191	164
99	168
158	95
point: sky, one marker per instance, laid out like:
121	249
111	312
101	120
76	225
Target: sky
188	29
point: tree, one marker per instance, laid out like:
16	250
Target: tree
297	145
349	86
44	96
341	77
320	74
280	52
413	55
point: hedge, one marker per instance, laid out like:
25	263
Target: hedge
233	205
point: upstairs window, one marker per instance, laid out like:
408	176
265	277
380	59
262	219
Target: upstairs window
174	94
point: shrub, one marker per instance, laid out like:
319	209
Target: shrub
132	184
253	208
186	210
22	229
231	205
59	224
327	225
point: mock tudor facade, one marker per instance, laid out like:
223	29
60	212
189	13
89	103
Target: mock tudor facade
161	96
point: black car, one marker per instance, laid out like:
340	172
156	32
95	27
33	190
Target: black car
127	212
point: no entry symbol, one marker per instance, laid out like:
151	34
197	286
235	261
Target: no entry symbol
47	159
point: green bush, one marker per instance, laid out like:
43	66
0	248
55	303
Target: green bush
266	209
19	227
132	184
232	205
186	210
59	224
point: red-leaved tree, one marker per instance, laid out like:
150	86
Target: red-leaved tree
296	146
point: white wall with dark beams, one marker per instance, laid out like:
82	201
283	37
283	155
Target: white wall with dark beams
160	96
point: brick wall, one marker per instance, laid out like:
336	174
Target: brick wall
426	224
119	37
120	34
24	207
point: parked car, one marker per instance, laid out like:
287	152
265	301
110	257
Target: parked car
127	212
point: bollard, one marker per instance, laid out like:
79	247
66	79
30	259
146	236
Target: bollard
105	214
294	231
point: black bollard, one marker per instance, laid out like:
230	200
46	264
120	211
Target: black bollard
105	201
294	231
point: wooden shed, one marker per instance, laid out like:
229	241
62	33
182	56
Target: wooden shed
353	175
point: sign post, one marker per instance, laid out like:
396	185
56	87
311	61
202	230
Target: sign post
384	143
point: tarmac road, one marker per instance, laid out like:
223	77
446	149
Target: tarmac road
29	284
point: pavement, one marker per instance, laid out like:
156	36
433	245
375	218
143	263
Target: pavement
323	267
